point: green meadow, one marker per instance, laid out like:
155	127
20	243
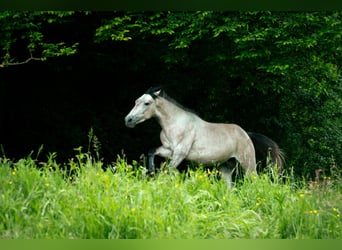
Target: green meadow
80	200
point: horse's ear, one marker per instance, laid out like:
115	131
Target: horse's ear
154	91
157	92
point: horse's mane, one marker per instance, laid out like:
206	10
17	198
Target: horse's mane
151	91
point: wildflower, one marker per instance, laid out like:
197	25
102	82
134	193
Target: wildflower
336	211
14	173
10	182
313	211
257	204
301	195
47	184
133	209
177	185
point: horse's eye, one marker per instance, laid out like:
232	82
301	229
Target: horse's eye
147	103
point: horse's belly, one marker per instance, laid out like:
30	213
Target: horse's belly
210	155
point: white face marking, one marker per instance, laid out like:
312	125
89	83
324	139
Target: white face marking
143	110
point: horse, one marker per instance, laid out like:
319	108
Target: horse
185	135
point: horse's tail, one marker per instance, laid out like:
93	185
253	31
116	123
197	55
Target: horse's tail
265	147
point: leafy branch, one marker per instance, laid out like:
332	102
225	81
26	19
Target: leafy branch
31	58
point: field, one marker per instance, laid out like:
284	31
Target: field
43	200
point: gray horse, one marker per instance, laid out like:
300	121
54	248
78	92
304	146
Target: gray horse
185	135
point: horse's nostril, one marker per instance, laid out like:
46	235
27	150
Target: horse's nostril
129	122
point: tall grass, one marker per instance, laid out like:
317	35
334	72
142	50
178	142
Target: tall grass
44	200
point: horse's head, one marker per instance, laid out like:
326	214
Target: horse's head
144	108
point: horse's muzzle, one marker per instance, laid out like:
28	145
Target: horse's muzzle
129	122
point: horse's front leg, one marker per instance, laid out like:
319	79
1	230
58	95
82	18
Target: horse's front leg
182	148
177	158
161	151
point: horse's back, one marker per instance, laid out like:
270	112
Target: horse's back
226	132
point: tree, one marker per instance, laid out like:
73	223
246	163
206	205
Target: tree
277	73
291	59
23	37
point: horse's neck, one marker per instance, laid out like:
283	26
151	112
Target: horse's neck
168	113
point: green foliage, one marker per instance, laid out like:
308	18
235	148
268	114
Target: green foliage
291	58
116	29
93	143
41	200
277	73
25	30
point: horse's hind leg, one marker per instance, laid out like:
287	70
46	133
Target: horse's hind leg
227	173
249	165
246	158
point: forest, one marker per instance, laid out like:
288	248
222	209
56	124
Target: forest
66	75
